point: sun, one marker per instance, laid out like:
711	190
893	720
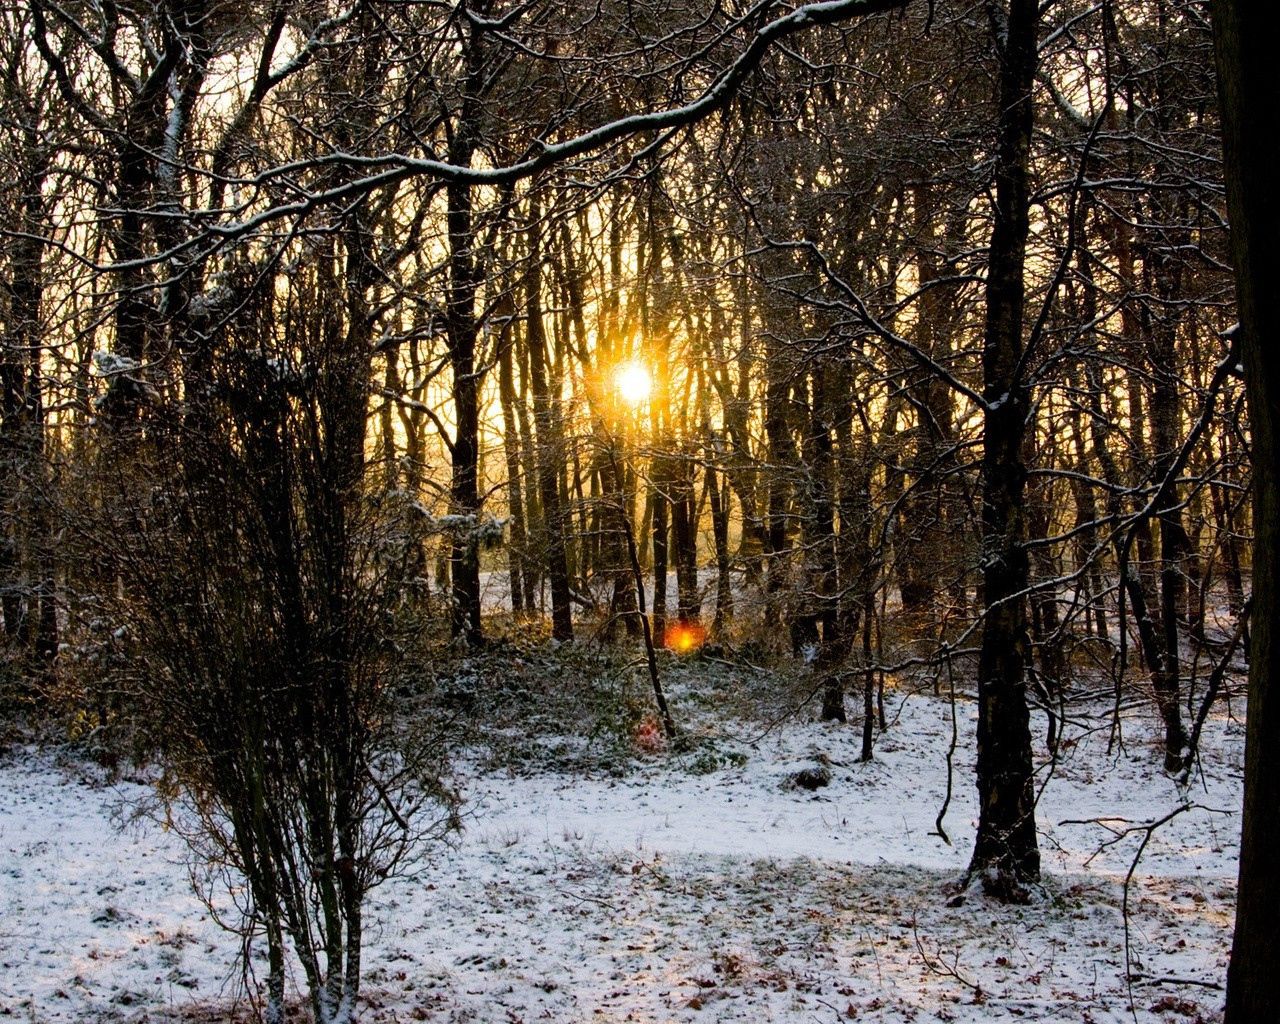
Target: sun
632	383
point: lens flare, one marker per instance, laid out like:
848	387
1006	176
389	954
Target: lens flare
684	637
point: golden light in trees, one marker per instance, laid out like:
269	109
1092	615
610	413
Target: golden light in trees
632	383
684	637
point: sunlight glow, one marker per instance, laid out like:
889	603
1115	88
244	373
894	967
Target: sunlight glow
684	637
632	383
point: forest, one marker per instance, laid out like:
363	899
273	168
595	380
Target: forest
643	510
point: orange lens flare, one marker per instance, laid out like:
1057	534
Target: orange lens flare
684	637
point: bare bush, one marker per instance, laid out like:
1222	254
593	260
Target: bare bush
268	598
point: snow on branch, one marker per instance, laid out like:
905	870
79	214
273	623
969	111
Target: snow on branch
385	170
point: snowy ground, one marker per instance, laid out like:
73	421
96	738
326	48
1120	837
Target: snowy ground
665	895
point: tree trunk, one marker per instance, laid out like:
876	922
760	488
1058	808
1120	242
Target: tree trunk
856	568
684	536
820	530
782	459
1244	38
1006	853
26	541
660	537
720	497
548	442
462	332
1164	268
518	547
464	490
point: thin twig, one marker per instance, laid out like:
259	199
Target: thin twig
951	753
1118	834
936	965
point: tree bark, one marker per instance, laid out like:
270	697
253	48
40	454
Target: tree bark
462	332
720	498
1244	39
25	514
684	537
464	489
548	442
1006	853
517	550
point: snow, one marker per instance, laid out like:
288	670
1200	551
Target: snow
112	364
691	887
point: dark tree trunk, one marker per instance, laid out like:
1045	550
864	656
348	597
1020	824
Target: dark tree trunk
719	498
622	604
135	187
684	536
1046	622
660	537
25	502
1244	37
1175	548
462	332
782	458
868	685
548	441
820	530
464	489
518	547
533	567
616	477
740	467
1006	854
856	569
1174	552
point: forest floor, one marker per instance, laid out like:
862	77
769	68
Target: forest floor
599	881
